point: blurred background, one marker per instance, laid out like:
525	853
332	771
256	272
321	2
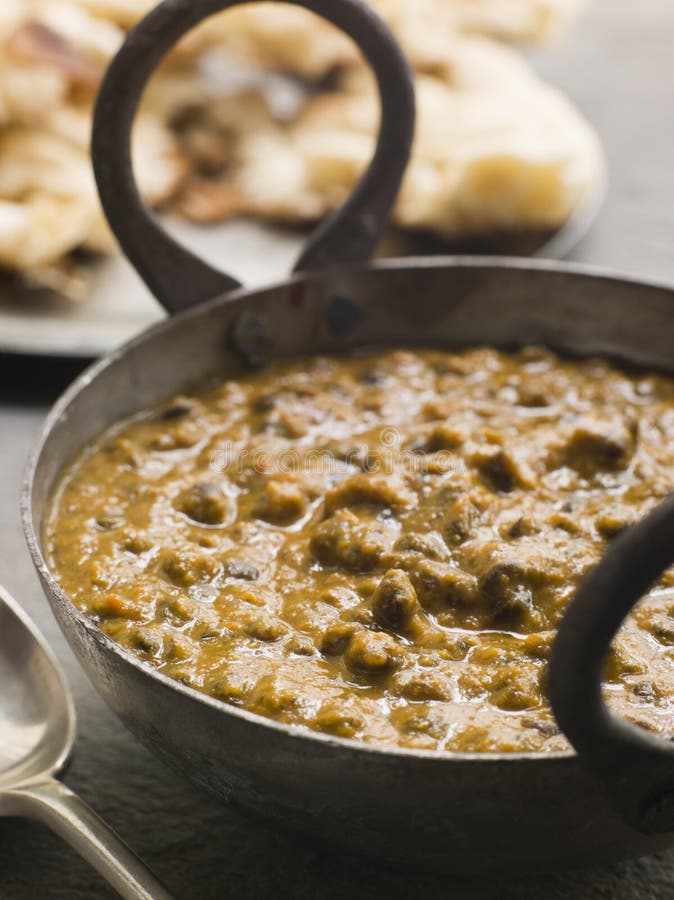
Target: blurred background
260	123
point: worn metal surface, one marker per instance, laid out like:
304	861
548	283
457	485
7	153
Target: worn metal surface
202	849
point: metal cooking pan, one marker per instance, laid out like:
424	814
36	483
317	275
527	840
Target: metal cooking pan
431	810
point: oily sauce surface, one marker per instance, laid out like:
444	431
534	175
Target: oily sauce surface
377	547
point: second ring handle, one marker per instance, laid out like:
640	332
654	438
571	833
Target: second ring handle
636	767
177	277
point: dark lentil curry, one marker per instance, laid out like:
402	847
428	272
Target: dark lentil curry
377	547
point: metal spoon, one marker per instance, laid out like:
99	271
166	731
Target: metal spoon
37	730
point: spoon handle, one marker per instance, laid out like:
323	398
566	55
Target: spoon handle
55	805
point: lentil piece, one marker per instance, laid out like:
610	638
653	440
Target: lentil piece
205	503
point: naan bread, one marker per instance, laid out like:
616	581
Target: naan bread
124	13
48	200
512	20
288	38
496	150
294	40
53	54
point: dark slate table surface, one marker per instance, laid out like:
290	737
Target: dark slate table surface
619	67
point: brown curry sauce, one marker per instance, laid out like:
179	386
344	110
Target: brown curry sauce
377	547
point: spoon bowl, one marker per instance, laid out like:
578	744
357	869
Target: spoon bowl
37	716
37	732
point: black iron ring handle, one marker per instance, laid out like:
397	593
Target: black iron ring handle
177	277
636	767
